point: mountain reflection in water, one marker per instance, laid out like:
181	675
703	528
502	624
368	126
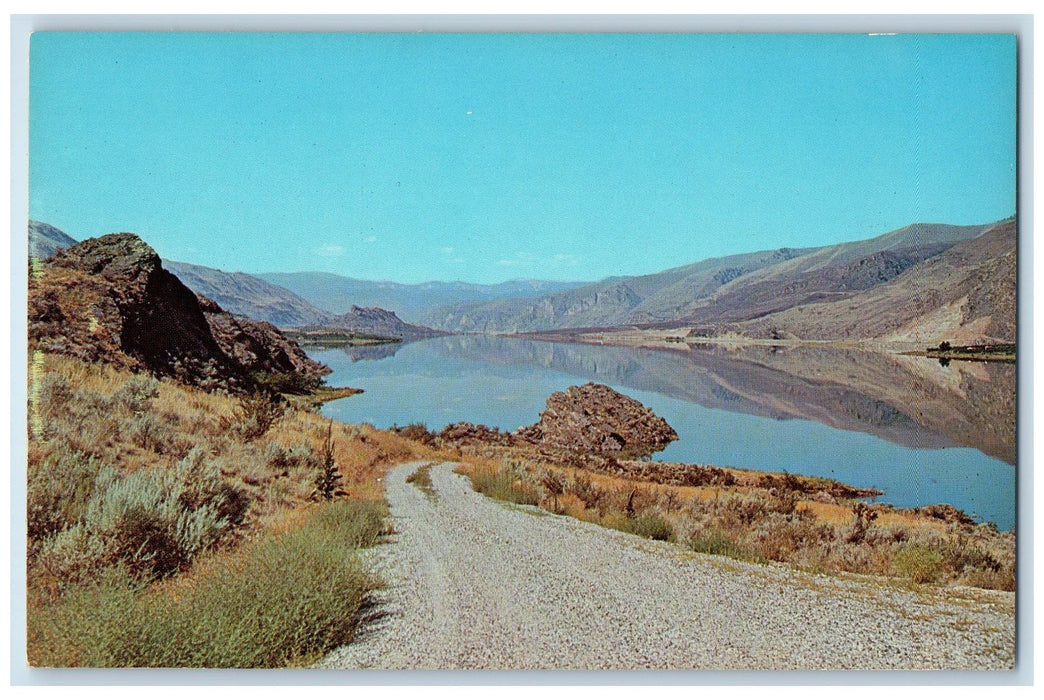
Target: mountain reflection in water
907	400
922	432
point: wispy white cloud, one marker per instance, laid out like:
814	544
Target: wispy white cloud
519	258
331	250
565	259
370	239
447	249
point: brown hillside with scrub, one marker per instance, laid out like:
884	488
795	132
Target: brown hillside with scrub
168	526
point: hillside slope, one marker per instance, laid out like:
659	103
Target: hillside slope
719	290
247	295
966	294
832	273
45	240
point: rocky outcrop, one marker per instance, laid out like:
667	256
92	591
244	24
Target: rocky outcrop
468	434
236	292
256	345
109	299
382	323
595	418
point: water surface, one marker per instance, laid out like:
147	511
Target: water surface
920	432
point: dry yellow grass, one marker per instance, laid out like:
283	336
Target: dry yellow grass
837	514
194	418
760	523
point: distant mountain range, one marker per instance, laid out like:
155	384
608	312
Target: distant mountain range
921	283
871	289
45	240
246	295
413	302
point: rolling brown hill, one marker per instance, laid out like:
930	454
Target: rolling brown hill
718	292
964	295
611	302
248	295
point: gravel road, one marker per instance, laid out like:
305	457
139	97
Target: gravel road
474	583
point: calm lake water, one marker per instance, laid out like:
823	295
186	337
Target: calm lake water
920	432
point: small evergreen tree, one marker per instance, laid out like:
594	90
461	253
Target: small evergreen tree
328	477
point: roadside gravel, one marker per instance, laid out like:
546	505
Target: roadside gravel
474	583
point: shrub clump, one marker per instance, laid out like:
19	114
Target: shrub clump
416	431
919	563
137	393
288	382
256	414
717	542
649	524
153	522
327	477
760	524
59	488
506	483
285	601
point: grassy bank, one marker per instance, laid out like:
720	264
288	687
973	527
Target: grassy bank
150	503
815	532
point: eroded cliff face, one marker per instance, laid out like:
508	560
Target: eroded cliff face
109	299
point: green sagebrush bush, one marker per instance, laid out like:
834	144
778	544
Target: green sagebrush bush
653	525
920	563
137	393
152	521
285	601
58	489
256	414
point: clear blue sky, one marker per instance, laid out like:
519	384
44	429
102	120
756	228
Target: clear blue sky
488	157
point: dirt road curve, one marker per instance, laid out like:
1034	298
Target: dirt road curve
473	583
